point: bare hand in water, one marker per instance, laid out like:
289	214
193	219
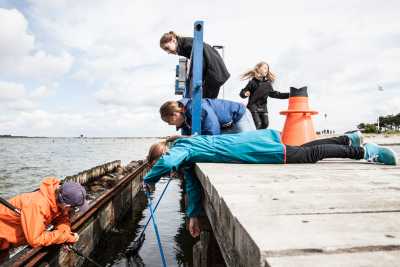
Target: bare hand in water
194	226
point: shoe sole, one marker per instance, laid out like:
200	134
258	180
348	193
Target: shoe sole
395	156
389	149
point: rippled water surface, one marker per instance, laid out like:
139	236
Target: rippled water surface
25	161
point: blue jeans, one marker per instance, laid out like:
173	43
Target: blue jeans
245	124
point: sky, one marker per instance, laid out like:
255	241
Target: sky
95	67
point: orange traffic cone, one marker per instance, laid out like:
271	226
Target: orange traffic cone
298	127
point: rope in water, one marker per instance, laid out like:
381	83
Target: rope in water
155	207
156	229
135	246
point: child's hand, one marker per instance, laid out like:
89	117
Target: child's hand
146	186
247	93
73	238
76	236
173	138
194	226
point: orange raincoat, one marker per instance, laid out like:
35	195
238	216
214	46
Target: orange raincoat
38	210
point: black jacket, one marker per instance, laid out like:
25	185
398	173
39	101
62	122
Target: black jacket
260	90
215	73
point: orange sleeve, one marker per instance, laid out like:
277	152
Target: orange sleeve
62	223
33	225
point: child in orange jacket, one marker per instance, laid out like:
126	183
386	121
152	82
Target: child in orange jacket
51	204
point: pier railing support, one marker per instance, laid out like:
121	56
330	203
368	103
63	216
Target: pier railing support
197	78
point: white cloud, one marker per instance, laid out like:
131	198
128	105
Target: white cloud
41	92
19	56
15	41
14	96
42	66
342	52
11	91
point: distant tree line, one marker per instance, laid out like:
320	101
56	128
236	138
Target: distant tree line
387	124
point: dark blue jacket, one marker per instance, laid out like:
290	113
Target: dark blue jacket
216	114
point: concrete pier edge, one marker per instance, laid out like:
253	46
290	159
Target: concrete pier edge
334	213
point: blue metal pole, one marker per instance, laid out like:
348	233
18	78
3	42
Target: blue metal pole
197	79
177	79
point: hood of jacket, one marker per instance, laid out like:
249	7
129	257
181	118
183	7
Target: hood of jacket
48	188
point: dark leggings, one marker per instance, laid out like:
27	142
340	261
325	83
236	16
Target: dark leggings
260	119
335	147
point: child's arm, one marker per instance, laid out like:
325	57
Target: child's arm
209	121
279	95
173	138
193	190
248	90
33	225
62	222
166	164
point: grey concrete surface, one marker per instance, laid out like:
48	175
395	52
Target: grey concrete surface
333	213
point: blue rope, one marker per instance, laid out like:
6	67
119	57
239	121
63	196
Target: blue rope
155	208
156	229
134	247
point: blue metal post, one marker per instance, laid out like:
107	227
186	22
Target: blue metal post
177	80
197	78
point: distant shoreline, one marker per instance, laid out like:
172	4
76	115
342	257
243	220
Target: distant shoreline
94	137
13	136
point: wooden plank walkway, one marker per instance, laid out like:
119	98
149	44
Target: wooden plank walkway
333	213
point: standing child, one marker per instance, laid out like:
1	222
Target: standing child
215	73
258	89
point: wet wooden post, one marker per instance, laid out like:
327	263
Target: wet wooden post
200	250
206	252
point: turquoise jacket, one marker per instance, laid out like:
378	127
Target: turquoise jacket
262	146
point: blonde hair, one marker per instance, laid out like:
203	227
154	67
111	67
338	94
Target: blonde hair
167	37
255	73
168	108
156	151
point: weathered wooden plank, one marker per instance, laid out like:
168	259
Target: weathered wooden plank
95	172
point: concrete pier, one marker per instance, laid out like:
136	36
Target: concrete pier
333	213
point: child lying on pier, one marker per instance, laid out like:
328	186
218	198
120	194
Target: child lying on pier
262	146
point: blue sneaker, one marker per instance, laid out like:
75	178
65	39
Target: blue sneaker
356	138
375	153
